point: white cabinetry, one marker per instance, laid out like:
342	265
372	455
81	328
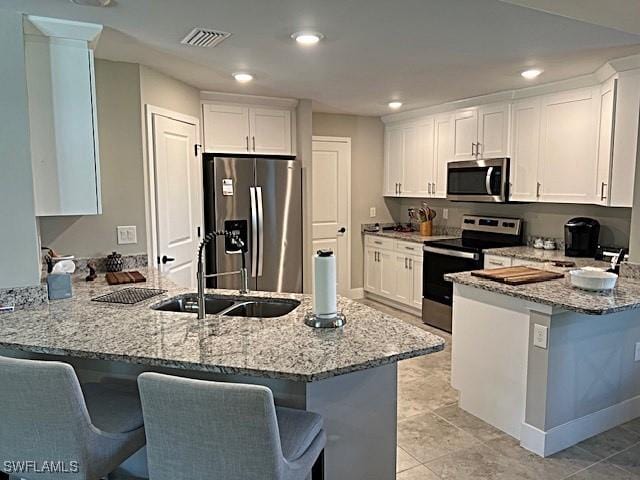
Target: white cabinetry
62	116
496	261
481	132
569	146
416	155
243	129
525	150
393	270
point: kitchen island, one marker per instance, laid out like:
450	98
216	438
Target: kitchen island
547	363
348	375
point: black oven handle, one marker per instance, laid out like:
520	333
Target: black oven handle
452	253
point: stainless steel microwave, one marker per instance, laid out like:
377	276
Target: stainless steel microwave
478	180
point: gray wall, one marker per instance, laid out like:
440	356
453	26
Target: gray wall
160	90
367	167
545	220
19	254
118	101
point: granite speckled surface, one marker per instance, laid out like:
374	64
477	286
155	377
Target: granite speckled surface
630	270
281	347
539	255
24	297
408	236
560	293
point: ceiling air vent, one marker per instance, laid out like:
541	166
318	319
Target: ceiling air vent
203	37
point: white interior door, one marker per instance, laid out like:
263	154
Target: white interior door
331	172
178	182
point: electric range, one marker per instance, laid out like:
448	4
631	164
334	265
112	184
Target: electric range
460	255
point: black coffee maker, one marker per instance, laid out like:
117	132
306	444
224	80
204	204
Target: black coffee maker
581	237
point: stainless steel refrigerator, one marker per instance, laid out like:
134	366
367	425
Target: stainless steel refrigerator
260	198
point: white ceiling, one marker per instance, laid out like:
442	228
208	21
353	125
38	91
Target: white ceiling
424	52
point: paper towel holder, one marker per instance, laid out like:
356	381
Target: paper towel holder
319	321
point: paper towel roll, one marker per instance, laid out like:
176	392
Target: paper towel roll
324	284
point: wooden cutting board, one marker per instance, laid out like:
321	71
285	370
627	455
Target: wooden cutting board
120	278
517	275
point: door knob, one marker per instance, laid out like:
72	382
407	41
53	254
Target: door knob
342	230
166	259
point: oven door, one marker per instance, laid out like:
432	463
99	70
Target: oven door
437	293
478	180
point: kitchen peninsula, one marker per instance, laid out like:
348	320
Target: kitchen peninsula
547	363
348	375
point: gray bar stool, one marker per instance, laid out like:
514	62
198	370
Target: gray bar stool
45	417
202	430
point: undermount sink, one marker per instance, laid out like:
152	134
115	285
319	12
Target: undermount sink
214	304
263	308
189	304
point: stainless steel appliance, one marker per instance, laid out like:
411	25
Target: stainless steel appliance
260	199
581	237
478	180
460	255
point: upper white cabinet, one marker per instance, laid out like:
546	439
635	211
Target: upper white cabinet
244	129
481	132
62	116
442	153
568	146
416	154
525	150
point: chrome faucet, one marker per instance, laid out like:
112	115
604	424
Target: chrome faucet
201	276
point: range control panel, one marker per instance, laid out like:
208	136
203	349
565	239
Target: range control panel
509	226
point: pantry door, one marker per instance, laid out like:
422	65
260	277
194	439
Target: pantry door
178	198
331	203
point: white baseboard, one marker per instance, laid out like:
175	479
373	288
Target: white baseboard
568	434
393	303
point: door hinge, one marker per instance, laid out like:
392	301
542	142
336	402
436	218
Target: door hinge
158	260
198	232
196	147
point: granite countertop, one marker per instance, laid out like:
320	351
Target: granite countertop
281	347
561	294
408	236
539	255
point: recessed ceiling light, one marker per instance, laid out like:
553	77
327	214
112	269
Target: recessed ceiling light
531	74
395	104
307	38
243	77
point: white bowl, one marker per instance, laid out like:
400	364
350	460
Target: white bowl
593	280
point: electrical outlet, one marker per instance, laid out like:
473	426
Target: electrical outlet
637	357
445	213
127	234
540	336
372	212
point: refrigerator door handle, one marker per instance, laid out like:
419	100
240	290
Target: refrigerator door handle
254	232
260	230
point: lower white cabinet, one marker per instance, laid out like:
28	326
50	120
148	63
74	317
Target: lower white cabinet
393	270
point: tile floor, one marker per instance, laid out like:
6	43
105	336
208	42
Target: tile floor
438	440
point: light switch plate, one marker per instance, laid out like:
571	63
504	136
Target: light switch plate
637	356
540	336
127	234
445	213
372	212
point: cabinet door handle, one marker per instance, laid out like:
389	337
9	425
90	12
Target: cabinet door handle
247	139
406	265
602	196
253	139
473	149
429	187
433	188
538	185
400	188
478	152
411	264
